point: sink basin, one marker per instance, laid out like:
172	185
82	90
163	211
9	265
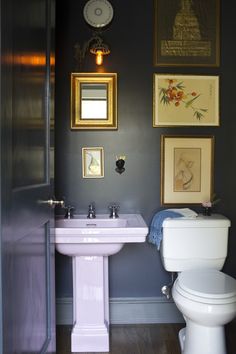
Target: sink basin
90	242
80	221
99	236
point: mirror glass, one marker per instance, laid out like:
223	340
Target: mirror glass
94	101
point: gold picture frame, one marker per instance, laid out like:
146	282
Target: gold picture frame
185	100
93	162
186	169
94	101
187	33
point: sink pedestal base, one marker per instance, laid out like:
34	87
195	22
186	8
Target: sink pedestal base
90	304
90	242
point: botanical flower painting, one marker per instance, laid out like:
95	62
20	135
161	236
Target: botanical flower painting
186	100
175	93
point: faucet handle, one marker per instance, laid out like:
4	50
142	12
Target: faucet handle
114	210
69	211
91	206
114	207
91	211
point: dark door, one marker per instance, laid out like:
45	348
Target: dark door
28	298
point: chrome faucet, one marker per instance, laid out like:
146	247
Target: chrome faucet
69	212
114	211
91	211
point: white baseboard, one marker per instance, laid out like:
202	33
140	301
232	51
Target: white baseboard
128	311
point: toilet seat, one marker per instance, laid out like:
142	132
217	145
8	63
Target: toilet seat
206	286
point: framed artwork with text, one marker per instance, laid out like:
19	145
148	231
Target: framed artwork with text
187	33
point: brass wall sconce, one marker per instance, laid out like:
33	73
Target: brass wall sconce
94	45
98	14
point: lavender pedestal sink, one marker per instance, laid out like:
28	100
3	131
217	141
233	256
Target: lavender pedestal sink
90	242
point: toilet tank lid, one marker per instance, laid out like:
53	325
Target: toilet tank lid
215	220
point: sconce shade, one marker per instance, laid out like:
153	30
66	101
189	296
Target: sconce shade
99	49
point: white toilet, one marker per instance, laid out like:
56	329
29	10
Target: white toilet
197	249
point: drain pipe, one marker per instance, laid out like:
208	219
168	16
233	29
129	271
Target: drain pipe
166	289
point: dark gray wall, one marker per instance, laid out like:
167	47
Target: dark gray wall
136	270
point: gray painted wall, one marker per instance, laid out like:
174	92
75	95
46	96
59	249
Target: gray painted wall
136	270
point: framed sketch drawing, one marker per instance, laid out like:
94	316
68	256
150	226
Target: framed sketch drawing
186	33
185	100
93	162
186	169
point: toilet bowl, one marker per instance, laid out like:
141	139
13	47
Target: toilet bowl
207	300
196	248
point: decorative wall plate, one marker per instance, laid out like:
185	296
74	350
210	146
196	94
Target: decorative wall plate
98	13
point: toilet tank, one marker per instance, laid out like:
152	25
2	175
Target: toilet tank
195	243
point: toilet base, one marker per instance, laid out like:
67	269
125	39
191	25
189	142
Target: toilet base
182	338
195	339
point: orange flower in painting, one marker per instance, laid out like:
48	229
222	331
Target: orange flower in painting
175	94
170	81
180	94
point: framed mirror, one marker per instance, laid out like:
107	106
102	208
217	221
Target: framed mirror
94	101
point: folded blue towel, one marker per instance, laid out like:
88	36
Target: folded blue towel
155	232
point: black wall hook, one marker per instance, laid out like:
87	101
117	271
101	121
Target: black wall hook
120	162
